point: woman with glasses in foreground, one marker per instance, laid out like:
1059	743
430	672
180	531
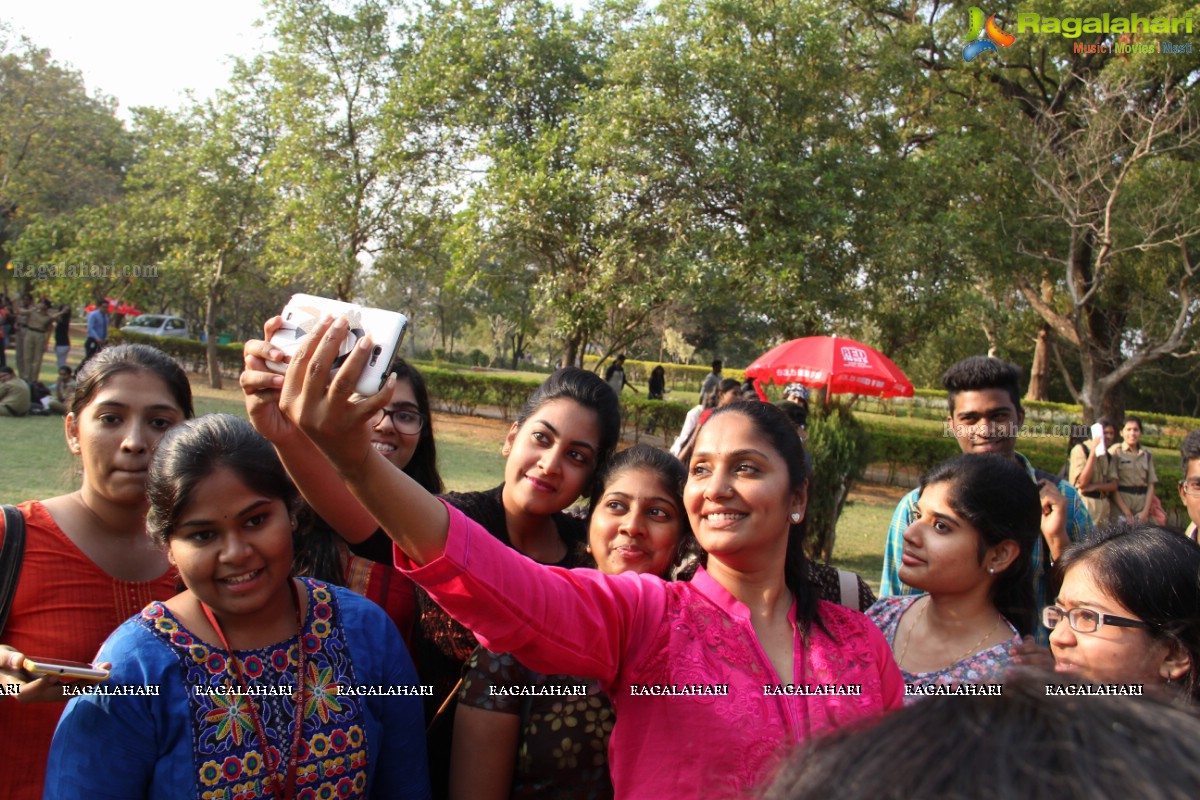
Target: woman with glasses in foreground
1128	609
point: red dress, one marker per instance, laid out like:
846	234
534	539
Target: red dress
64	608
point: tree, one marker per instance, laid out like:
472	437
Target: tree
60	149
346	167
200	192
1118	170
1083	197
744	126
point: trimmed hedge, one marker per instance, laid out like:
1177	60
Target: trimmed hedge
191	354
922	442
679	377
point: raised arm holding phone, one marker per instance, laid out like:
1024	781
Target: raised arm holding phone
748	620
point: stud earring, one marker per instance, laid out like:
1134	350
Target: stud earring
991	570
795	517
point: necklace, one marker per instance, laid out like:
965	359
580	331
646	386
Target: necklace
970	650
235	667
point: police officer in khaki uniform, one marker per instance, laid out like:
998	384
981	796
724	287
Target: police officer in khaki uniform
1135	473
1095	475
39	321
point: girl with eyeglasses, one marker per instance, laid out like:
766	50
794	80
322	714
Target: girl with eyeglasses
1127	609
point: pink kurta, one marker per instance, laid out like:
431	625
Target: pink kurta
636	633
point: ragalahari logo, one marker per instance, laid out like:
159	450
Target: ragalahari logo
984	35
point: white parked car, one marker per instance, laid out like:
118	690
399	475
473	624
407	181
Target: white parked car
157	325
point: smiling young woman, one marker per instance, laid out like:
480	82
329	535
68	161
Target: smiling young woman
87	564
749	620
506	745
248	663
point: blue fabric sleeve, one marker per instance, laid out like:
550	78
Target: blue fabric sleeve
398	721
905	513
109	747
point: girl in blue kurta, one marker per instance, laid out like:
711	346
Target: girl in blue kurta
201	701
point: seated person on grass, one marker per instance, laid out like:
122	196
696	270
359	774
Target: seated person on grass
14	394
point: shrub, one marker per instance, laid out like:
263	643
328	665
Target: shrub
840	452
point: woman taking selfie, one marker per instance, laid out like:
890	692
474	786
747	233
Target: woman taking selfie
746	621
969	551
87	564
1126	610
505	745
250	665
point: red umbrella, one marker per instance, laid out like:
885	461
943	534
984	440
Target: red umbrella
117	307
843	365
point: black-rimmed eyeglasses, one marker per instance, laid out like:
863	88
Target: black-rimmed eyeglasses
403	420
1085	620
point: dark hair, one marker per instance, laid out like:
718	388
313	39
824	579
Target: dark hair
995	496
1022	743
422	467
131	358
588	390
1189	450
716	365
796	412
659	370
977	373
195	449
774	426
1138	420
5	369
726	384
674	477
1152	571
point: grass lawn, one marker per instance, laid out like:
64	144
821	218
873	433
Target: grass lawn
35	462
861	533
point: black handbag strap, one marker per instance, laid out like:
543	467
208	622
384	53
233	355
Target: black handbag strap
11	554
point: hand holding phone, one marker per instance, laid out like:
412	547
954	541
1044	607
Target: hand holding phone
67	670
386	329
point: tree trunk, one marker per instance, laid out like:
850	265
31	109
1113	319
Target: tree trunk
210	329
1039	373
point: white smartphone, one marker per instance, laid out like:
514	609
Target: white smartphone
386	328
1098	431
75	670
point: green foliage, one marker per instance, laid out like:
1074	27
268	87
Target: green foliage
840	452
61	150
